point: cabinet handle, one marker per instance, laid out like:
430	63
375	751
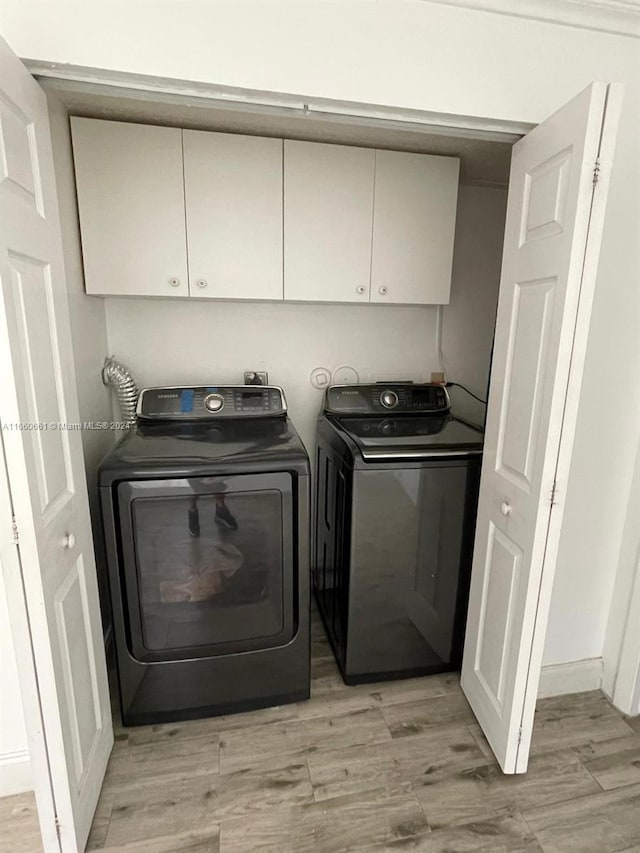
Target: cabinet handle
360	289
382	289
201	282
174	282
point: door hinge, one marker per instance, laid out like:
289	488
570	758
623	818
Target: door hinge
596	171
14	529
58	829
554	488
519	735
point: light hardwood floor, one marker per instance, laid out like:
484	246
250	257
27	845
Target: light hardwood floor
388	767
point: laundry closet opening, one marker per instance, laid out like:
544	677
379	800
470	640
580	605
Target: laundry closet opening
175	339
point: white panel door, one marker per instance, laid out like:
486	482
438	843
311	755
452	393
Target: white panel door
552	239
328	216
71	734
233	197
414	218
131	203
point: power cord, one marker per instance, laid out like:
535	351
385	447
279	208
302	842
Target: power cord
471	394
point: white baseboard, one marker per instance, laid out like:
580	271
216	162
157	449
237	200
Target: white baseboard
575	677
15	773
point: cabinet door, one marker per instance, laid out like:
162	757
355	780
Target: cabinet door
328	216
131	204
233	192
413	227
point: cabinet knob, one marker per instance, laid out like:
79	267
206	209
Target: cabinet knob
201	282
174	282
383	289
505	508
69	541
360	289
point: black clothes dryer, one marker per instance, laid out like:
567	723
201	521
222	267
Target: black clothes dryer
205	506
398	480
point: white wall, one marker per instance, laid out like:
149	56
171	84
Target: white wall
88	330
181	341
15	768
412	53
469	319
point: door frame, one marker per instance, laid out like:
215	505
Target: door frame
622	641
626	691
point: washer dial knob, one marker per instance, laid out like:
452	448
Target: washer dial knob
389	399
213	402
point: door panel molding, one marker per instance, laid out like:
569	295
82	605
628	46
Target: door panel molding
520	416
499	631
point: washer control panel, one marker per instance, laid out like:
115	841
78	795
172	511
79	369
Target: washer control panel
401	398
215	401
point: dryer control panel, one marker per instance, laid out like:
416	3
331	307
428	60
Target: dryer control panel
401	398
204	402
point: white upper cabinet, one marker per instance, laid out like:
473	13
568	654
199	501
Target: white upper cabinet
131	203
171	212
328	217
233	198
413	228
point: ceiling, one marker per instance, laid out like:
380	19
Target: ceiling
482	162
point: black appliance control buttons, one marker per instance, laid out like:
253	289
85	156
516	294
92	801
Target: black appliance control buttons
389	399
213	402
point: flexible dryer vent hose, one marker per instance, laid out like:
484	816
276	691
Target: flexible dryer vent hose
120	379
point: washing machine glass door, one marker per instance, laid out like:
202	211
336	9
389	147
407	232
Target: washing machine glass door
208	564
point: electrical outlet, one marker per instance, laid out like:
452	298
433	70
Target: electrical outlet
256	377
437	378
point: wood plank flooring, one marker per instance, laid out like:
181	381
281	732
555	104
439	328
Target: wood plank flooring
399	766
